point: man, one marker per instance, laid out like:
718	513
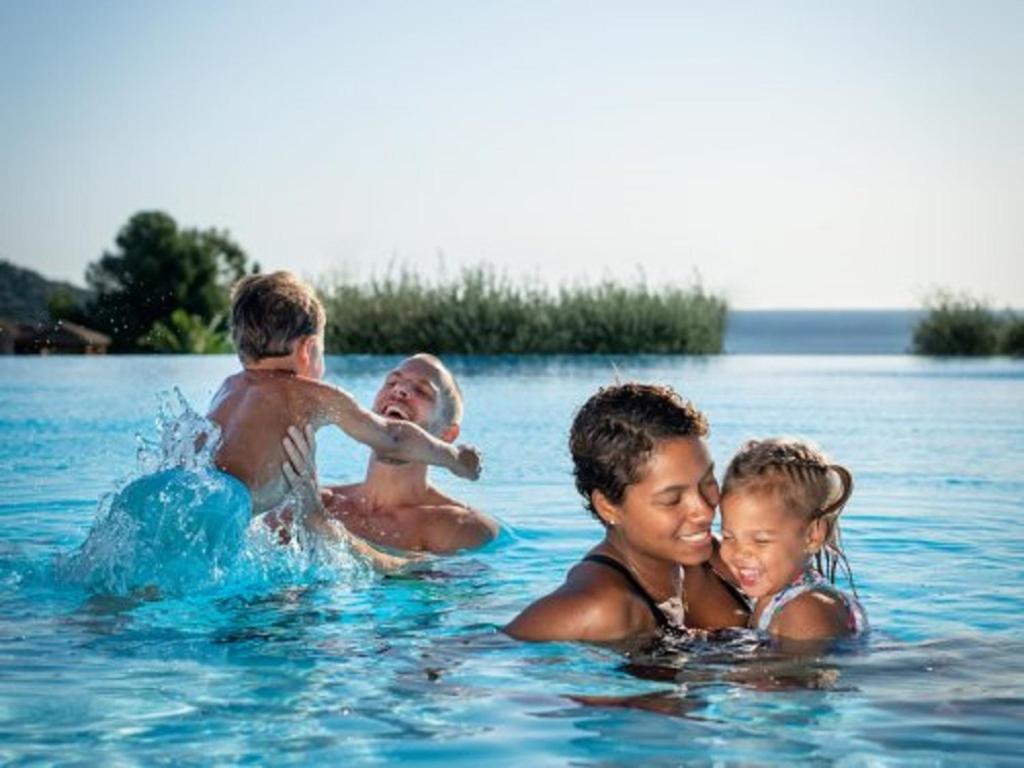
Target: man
396	505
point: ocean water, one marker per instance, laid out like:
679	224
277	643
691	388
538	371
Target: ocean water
290	659
821	332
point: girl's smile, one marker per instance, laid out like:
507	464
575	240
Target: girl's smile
764	544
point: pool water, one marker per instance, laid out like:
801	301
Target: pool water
309	661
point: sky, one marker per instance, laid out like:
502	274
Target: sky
786	154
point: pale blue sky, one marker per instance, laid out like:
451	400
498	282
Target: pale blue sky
797	154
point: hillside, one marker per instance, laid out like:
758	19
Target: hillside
24	293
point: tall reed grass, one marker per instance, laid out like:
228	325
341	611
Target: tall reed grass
961	325
483	312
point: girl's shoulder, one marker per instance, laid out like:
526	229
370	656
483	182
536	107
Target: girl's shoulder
812	615
813	608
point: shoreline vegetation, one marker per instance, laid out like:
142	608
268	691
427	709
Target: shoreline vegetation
482	312
960	325
166	289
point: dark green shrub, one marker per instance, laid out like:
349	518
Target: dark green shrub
1013	336
957	325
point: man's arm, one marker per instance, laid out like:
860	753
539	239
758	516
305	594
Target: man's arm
391	438
300	472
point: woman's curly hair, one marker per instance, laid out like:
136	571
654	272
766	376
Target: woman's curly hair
616	431
806	483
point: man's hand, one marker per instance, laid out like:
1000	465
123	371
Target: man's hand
468	462
300	469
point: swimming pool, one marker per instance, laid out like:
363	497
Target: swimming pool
315	665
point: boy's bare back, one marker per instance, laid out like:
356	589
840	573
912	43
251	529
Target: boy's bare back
254	410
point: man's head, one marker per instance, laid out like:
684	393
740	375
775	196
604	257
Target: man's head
278	315
422	390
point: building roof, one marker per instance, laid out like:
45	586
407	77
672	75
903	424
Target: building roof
54	333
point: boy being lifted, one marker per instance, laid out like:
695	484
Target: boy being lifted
278	330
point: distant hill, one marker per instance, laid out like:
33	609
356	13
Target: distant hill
25	294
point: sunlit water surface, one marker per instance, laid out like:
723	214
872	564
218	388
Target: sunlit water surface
304	662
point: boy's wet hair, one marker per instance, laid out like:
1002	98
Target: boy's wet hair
804	481
270	312
616	431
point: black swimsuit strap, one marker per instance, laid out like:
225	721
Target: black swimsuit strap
634	585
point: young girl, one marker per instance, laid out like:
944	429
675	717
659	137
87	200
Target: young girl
781	501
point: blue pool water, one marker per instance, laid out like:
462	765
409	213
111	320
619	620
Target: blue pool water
302	660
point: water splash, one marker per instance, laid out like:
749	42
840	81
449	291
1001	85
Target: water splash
185	438
178	525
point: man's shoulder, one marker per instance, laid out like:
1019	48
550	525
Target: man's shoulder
340	498
448	525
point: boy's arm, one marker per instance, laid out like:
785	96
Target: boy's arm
392	438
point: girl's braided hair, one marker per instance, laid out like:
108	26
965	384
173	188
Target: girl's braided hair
805	481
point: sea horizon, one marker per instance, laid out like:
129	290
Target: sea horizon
820	331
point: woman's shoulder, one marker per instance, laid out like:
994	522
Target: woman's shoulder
593	604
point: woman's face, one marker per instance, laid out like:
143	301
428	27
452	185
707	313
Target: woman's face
667	514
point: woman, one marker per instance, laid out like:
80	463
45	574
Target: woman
644	470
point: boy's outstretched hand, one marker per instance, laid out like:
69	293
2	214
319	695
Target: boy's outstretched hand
469	462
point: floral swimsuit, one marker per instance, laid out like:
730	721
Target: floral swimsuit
812	581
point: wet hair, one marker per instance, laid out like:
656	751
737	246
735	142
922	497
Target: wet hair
617	430
270	312
450	398
806	483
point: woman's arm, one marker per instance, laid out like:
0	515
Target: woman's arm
710	603
587	608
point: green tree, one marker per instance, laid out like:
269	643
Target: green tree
185	333
156	269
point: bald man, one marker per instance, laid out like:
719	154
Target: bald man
395	505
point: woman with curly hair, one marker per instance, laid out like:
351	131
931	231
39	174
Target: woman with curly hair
644	471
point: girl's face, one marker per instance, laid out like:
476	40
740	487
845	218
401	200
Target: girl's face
764	544
667	514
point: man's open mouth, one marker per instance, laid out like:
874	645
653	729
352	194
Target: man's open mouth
396	412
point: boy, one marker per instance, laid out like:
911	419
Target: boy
277	326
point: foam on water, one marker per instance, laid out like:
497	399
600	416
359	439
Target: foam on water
178	525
